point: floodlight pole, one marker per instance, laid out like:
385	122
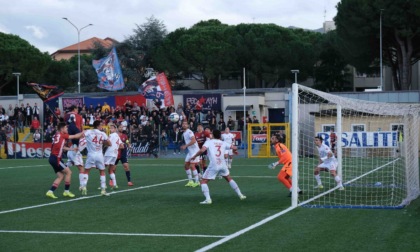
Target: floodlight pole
380	48
78	50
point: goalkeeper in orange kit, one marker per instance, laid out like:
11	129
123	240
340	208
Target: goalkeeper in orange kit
285	158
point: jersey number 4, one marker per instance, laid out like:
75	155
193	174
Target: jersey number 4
96	141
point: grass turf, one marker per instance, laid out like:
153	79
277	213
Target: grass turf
172	209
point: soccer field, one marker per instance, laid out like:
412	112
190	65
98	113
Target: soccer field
159	214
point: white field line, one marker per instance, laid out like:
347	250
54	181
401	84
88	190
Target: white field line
26	166
113	234
242	231
88	197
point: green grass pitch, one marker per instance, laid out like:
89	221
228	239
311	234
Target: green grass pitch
159	214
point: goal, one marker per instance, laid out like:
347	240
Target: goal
377	147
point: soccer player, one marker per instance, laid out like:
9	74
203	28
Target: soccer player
75	125
122	155
285	158
215	149
327	162
111	153
228	138
61	170
200	136
95	140
192	146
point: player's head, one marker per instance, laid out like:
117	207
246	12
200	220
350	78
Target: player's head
73	108
275	139
216	134
185	125
112	128
62	127
227	130
200	128
97	124
318	140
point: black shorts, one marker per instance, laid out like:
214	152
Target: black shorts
56	163
123	160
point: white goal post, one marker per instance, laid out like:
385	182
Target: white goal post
376	146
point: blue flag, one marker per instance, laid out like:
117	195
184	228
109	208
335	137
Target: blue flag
109	72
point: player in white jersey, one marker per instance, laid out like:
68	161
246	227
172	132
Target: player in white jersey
192	146
327	162
215	152
111	153
75	158
95	140
228	138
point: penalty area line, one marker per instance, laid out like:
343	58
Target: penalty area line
88	197
107	233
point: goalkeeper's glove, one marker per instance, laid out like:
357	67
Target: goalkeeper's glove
272	166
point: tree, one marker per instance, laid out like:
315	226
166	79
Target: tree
358	25
331	72
17	55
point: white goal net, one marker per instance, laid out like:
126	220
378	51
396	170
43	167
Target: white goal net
376	147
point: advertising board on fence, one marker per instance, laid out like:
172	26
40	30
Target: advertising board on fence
29	150
259	138
364	139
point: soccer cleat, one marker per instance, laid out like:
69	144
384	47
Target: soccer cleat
84	191
68	194
104	193
195	184
111	184
206	202
130	183
51	195
190	183
100	188
319	187
300	192
341	188
242	197
114	187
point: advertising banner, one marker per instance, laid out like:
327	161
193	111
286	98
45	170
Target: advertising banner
204	102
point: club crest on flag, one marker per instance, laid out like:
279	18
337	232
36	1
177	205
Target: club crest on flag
109	72
157	88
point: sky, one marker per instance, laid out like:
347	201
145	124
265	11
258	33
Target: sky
41	23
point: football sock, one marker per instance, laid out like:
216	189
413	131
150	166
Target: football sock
86	179
338	180
103	182
205	190
318	179
81	179
235	187
66	186
195	174
112	177
188	174
53	187
128	175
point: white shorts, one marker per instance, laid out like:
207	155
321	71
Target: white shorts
75	158
331	166
95	160
108	160
229	152
189	156
212	172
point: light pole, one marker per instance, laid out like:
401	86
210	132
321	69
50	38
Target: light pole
380	48
295	72
78	50
17	99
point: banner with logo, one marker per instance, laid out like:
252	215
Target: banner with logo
158	89
238	137
28	150
139	149
68	102
204	102
364	139
259	138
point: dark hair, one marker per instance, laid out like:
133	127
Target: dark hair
61	125
319	137
96	124
216	134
